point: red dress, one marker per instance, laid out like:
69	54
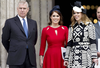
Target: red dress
55	38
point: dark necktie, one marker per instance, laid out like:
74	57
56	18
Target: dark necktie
25	28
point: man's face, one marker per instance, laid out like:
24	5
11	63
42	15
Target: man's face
98	13
22	10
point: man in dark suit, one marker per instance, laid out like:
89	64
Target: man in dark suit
19	38
97	29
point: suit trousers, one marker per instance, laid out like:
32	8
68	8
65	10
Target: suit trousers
26	63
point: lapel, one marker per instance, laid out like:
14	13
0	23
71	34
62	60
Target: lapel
29	26
18	23
97	27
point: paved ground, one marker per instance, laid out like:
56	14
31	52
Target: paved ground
6	67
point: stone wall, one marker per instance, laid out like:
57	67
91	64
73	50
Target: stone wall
39	11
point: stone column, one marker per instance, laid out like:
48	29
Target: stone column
39	11
35	15
8	9
46	6
3	18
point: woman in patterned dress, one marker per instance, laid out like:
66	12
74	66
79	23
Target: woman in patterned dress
81	46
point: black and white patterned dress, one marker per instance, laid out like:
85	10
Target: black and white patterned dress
81	47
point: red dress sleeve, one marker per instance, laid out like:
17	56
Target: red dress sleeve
43	42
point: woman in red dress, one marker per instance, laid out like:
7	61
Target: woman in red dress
55	34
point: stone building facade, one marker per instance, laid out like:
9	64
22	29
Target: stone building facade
39	11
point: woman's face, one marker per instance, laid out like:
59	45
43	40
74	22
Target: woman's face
77	16
55	18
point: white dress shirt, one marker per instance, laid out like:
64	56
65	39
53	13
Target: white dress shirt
99	23
21	20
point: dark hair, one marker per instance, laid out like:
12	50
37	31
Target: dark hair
61	18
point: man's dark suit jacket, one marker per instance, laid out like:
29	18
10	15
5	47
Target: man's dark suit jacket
15	41
97	30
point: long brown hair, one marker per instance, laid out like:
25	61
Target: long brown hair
84	19
61	18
